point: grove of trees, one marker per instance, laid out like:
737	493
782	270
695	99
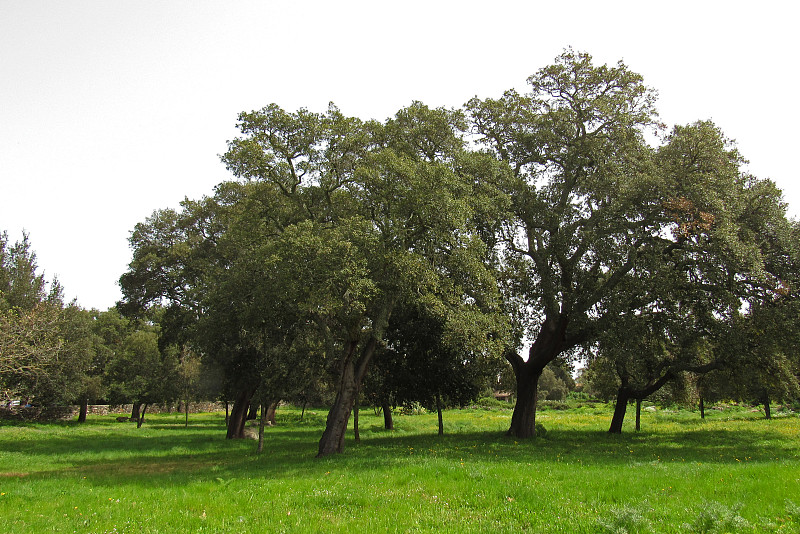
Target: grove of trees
418	258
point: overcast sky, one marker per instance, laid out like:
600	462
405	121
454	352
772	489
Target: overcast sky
110	110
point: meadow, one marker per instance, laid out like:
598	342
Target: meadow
731	472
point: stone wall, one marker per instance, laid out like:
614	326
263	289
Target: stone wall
66	413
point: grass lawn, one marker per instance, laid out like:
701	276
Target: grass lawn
732	472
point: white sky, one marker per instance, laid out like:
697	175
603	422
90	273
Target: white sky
112	109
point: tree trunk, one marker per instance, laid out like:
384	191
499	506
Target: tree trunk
84	410
252	413
523	420
227	414
623	396
767	412
303	411
356	407
702	408
439	411
550	342
638	414
141	417
271	408
261	424
350	376
186	408
135	411
238	416
388	422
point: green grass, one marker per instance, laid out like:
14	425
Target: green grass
733	472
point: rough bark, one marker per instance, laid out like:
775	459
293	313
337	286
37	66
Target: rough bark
238	416
351	372
623	396
548	345
84	410
388	422
523	420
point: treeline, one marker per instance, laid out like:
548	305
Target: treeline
418	257
54	353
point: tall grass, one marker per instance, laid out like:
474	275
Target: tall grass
731	472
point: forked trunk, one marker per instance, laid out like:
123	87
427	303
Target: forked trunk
84	410
548	345
350	376
238	416
623	396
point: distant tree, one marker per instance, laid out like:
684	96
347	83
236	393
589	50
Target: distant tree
430	360
32	327
30	345
139	373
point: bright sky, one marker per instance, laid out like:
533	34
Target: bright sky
111	110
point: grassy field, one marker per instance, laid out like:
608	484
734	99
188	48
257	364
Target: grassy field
732	472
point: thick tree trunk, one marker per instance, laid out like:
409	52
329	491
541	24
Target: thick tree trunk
252	413
272	407
439	412
623	396
767	411
84	410
388	422
238	416
350	376
638	414
137	406
702	408
548	345
523	420
141	417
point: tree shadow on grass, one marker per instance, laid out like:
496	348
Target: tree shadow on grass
166	454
